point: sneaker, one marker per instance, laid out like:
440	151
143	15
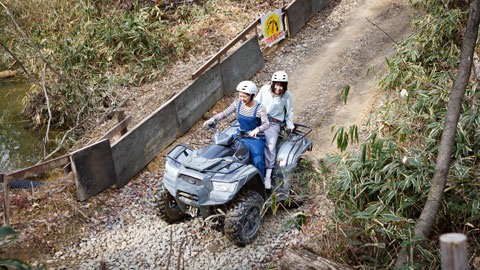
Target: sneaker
268	183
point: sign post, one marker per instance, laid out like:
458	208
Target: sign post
272	27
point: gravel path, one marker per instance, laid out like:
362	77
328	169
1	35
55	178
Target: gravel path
135	238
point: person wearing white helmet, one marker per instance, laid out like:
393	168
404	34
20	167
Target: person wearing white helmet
252	118
279	105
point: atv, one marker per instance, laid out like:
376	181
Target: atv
220	179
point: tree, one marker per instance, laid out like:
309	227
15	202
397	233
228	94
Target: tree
439	180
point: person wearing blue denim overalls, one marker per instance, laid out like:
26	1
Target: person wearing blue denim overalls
252	118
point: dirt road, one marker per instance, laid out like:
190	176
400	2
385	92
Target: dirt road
335	49
344	60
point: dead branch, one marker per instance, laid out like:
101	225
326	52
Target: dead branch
30	44
374	24
171	248
78	122
305	259
21	65
180	254
49	112
476	72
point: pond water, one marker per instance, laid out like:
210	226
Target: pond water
19	147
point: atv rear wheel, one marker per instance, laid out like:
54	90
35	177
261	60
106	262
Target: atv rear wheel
166	207
244	218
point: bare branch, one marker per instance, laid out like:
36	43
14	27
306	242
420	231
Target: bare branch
21	65
374	24
78	122
49	111
30	44
180	254
171	248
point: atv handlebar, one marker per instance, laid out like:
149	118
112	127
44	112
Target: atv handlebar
244	134
211	126
299	132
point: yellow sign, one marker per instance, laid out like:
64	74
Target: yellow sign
272	27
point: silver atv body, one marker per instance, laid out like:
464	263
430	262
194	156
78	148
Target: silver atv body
220	176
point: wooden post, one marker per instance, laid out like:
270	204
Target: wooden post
453	247
302	258
120	118
6	200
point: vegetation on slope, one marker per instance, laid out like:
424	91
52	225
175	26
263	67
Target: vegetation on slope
380	191
99	47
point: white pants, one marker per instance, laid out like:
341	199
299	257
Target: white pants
271	136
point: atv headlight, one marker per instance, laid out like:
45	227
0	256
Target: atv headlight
225	187
170	169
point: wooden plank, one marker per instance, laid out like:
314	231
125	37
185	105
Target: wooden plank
453	247
224	50
120	127
6	201
36	169
120	118
93	169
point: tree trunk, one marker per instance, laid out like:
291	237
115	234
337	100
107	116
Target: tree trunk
435	195
303	259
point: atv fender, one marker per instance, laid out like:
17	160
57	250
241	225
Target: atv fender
255	183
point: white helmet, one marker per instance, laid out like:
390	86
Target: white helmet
280	76
247	87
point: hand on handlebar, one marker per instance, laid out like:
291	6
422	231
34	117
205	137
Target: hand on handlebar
253	133
208	122
290	130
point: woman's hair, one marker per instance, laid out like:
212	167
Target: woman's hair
284	84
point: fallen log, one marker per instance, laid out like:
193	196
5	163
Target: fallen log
303	259
7	73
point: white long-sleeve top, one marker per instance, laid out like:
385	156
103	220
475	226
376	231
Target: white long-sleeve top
278	107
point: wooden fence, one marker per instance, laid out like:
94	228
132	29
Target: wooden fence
84	190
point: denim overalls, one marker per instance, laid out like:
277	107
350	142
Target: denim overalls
256	145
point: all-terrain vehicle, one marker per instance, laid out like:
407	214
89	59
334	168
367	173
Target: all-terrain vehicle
220	179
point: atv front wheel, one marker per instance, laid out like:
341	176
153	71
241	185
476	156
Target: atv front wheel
166	207
244	218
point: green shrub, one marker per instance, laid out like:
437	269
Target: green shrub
380	191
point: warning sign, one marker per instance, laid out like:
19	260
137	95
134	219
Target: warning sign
272	27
